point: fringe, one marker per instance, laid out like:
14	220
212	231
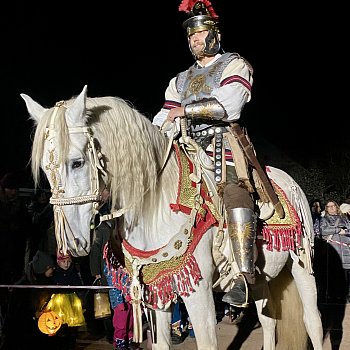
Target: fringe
161	291
281	238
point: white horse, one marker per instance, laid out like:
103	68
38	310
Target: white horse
86	144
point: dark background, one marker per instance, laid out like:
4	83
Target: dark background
50	50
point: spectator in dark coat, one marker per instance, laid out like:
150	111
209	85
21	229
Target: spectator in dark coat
15	228
316	210
26	304
41	213
332	267
102	234
335	230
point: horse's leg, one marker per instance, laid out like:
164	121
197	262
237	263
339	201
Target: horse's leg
270	264
306	285
163	326
201	310
265	311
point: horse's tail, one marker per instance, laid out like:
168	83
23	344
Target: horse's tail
290	332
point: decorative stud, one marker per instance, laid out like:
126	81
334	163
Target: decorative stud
178	244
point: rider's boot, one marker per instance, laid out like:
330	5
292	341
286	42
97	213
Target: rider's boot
242	231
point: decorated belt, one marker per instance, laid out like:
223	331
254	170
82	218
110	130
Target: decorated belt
204	137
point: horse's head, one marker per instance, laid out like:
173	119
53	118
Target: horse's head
64	149
68	144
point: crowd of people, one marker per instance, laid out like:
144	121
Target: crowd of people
28	235
32	259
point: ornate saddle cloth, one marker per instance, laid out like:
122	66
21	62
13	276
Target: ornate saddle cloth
161	267
282	234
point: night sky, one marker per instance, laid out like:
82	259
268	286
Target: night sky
50	50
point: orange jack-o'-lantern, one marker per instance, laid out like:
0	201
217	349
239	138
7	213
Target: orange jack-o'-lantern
49	322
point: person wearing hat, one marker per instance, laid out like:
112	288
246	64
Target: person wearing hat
210	95
39	271
42	264
345	209
68	303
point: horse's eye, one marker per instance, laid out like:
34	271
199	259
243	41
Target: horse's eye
77	164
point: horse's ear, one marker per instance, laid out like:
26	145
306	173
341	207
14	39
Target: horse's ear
76	112
35	110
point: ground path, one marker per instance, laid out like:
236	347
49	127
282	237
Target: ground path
228	336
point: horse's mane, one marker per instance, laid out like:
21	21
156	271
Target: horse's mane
133	149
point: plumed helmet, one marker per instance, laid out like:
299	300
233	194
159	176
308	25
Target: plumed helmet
202	17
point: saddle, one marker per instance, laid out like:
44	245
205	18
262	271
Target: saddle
278	233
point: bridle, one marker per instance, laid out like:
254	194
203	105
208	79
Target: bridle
58	200
97	173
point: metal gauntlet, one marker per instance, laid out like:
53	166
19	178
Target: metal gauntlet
207	109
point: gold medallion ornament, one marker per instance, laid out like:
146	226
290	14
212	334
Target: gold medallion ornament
197	83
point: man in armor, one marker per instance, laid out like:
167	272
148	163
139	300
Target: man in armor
211	95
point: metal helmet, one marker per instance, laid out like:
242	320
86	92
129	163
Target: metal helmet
202	18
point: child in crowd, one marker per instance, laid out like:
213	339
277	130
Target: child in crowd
123	321
67	303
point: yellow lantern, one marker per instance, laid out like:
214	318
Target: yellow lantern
101	305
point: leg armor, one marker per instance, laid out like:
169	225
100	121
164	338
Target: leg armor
242	230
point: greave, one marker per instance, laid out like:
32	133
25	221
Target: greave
242	231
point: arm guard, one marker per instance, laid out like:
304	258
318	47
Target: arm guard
206	109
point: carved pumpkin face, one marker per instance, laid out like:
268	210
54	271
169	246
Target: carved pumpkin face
49	322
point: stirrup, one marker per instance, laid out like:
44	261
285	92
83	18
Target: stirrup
238	296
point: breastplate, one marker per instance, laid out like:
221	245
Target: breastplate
197	83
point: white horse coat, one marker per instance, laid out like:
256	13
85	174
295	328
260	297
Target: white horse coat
85	144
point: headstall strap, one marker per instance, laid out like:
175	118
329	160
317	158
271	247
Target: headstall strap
96	166
63	230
